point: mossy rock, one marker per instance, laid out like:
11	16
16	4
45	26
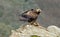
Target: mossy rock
35	36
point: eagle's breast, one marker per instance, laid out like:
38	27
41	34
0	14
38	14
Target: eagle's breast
31	14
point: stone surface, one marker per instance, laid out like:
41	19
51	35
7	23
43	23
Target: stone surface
54	29
28	30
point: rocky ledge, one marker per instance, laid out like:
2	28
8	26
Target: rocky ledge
36	31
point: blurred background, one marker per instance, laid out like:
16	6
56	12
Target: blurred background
10	9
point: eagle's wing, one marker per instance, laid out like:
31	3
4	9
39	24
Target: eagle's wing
28	15
24	16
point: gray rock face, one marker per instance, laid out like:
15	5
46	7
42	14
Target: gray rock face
28	30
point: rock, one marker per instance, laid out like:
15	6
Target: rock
54	29
29	30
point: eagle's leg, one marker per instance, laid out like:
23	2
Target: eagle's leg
34	23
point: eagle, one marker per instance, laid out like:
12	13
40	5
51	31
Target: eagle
30	15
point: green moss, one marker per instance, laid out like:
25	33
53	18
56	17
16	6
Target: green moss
35	36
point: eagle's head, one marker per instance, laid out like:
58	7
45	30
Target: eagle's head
38	11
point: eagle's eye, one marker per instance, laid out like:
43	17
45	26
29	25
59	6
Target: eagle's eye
32	9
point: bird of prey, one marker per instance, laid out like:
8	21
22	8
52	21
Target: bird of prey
30	15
